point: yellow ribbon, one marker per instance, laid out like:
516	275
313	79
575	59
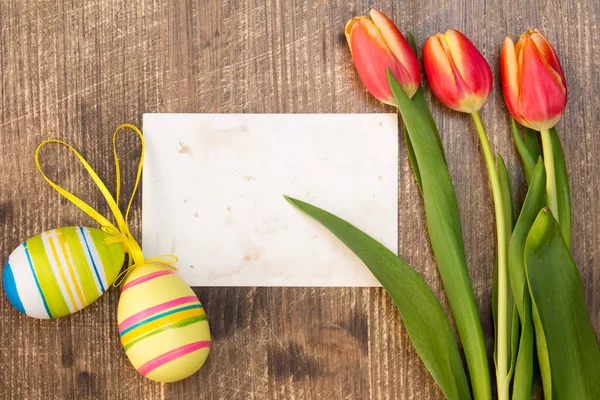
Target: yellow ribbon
165	260
121	232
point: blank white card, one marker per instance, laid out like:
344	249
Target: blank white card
213	187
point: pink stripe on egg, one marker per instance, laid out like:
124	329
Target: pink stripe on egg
137	317
146	278
172	355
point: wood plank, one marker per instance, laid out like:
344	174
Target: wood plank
75	70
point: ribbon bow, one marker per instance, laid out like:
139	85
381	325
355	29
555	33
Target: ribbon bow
119	233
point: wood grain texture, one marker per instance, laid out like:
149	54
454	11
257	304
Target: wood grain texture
75	70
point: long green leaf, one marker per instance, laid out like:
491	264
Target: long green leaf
413	160
445	232
423	316
409	149
526	157
528	147
525	372
534	201
509	222
532	141
509	208
562	188
420	102
559	311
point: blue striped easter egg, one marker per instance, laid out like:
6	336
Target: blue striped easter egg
61	271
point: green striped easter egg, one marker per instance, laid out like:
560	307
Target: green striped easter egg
61	271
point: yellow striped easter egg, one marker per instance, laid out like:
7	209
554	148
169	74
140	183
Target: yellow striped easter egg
162	325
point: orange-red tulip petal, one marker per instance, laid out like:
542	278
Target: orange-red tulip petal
458	74
376	45
533	82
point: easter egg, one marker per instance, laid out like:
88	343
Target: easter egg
162	325
61	271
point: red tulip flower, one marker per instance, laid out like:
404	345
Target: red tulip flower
461	78
535	89
458	74
388	66
376	45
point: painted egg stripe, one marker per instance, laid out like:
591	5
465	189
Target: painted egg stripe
37	283
10	287
72	276
55	261
161	315
90	258
95	241
137	317
83	268
59	273
75	255
179	324
51	287
87	281
157	323
29	294
146	278
172	355
111	258
64	255
44	253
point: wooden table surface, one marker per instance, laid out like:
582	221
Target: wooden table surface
75	70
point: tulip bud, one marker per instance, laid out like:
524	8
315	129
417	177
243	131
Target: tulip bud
458	74
376	45
535	89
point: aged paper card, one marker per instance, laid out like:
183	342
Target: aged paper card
213	189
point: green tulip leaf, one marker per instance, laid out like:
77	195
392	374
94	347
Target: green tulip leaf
524	373
409	149
526	157
420	102
563	192
535	200
532	142
509	222
413	160
424	318
561	321
509	208
445	232
528	148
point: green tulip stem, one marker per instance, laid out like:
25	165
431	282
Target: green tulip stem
550	174
502	328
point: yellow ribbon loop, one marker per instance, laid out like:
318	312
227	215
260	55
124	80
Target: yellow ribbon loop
165	260
138	175
121	232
